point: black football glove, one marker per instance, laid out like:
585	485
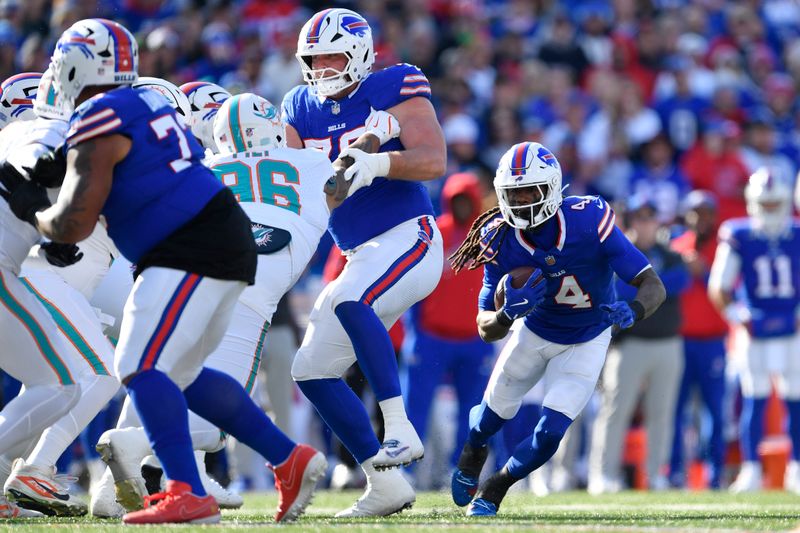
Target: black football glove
10	180
61	254
27	199
50	168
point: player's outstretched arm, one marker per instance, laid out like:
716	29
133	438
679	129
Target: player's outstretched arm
90	167
425	154
723	275
650	293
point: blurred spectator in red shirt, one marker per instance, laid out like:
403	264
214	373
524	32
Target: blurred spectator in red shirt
714	165
446	337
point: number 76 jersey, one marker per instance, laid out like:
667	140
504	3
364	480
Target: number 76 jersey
281	188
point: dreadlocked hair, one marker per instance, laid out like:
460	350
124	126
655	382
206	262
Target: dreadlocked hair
472	252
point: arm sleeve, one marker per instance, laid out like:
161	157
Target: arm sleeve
725	269
491	277
402	82
625	259
94	118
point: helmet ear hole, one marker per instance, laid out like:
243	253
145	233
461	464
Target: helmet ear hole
71	76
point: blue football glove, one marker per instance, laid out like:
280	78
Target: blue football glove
619	313
520	302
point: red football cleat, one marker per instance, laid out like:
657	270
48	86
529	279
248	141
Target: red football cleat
176	505
296	479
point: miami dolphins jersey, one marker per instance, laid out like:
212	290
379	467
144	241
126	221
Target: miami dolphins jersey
331	125
22	143
161	184
587	250
769	274
281	188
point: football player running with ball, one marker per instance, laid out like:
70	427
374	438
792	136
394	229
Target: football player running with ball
567	308
386	229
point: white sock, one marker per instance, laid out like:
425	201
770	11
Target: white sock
26	416
96	391
394	411
205	435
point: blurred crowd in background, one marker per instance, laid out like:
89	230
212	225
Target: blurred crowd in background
642	101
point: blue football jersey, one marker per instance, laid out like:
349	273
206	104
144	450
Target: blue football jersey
579	268
331	125
770	275
161	184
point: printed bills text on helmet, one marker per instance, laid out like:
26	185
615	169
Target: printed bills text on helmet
94	52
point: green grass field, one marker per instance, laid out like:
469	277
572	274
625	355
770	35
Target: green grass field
577	511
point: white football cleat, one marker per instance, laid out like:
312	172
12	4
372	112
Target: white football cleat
387	493
10	509
401	447
103	503
226	499
123	450
40	489
749	478
603	485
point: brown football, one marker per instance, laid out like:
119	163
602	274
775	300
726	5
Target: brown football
519	276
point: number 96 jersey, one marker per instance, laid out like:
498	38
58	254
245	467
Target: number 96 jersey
578	270
281	188
161	184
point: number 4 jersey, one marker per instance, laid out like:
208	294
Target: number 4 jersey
280	188
161	184
579	268
769	271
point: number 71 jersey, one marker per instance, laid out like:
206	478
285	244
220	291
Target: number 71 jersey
282	188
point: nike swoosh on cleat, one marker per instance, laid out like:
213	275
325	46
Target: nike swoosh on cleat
395	453
51	492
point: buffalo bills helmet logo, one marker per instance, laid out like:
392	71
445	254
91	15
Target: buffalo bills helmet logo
547	157
354	25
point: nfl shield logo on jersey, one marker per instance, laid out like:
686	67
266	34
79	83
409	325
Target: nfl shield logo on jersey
550	260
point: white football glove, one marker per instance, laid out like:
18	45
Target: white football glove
366	168
383	125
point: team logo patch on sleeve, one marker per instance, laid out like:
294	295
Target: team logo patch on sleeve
268	239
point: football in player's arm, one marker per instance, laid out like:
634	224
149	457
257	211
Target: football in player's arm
568	306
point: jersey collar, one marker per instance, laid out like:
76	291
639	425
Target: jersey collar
323	98
526	243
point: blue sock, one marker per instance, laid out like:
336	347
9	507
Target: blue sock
793	406
221	400
751	426
373	348
165	418
537	449
483	423
344	413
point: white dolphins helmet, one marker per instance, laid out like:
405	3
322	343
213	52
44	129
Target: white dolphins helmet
769	201
248	122
335	31
205	99
528	165
16	97
94	52
48	103
177	100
